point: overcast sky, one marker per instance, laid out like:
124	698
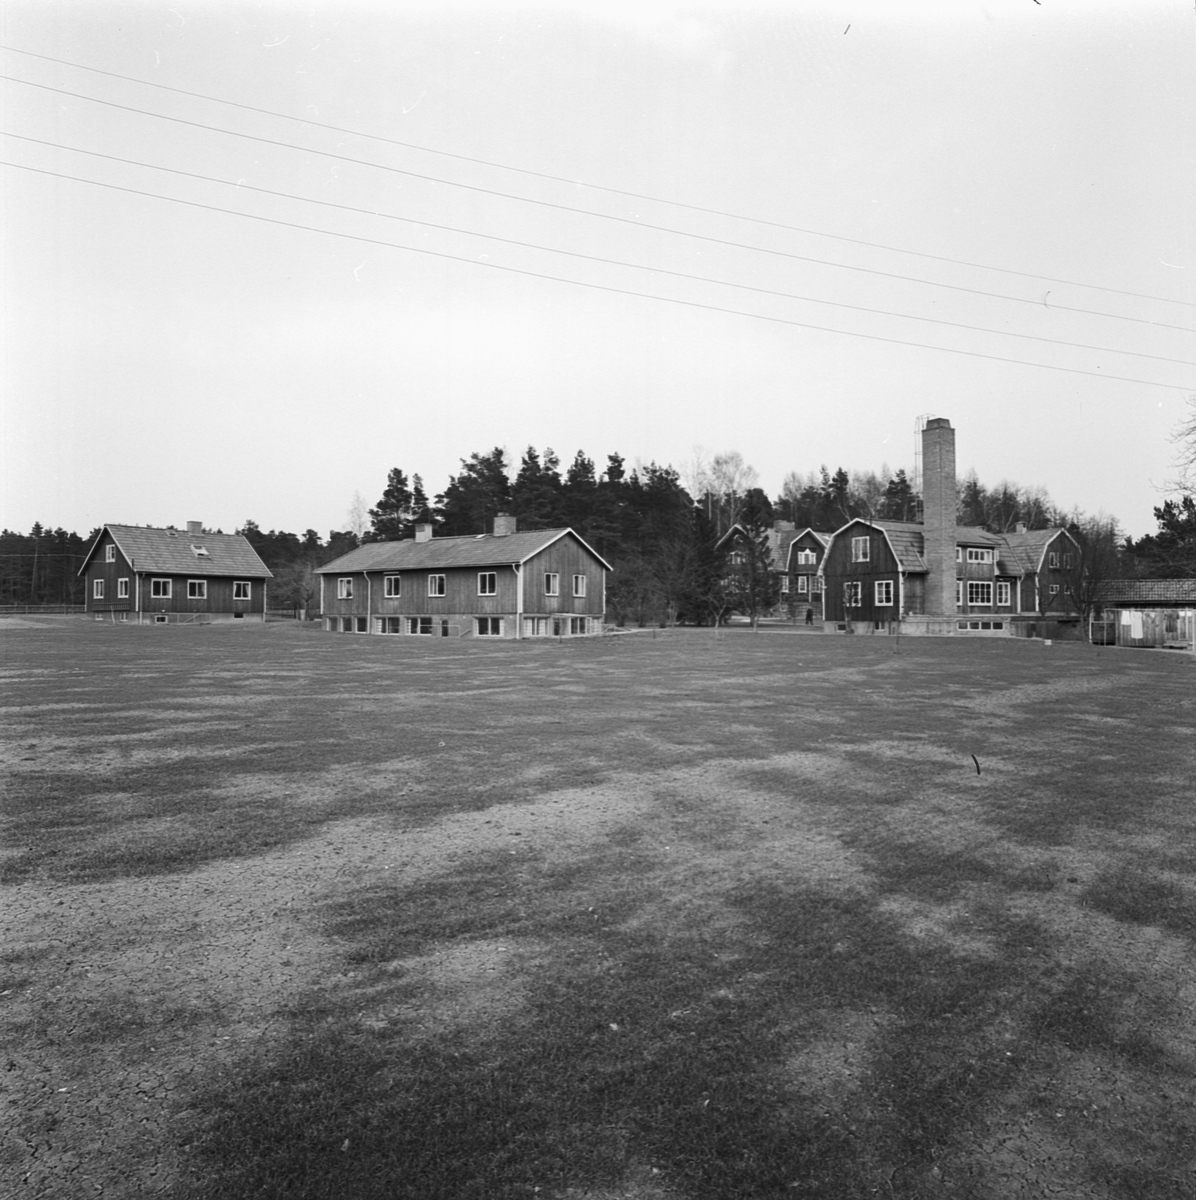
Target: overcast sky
165	362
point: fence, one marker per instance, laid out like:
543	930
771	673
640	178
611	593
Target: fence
11	610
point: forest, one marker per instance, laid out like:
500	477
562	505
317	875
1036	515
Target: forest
658	527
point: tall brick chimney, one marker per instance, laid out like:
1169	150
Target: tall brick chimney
938	515
504	524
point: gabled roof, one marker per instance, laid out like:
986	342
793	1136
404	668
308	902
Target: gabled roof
1148	591
823	539
484	550
1022	553
176	552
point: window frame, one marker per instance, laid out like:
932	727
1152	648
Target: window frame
490	578
861	549
807	558
1005	589
959	593
247	584
110	552
161	588
977	590
552	583
97	589
579	626
197	589
853	596
415	626
488	626
122	588
579	587
882	587
1053	560
392	587
803	585
979	554
437	585
344	587
784	585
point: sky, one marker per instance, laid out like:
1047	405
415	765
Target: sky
417	231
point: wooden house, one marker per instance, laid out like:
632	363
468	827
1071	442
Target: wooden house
505	584
803	570
1146	612
137	573
938	577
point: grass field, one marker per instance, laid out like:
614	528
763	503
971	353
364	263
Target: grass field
298	915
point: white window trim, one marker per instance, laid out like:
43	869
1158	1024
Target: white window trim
437	588
883	587
1004	594
344	587
197	589
122	589
1053	560
853	594
392	586
861	549
784	585
110	553
97	589
977	555
803	585
579	586
164	589
976	590
242	583
959	593
492	577
552	583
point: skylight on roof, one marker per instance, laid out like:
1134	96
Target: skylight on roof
200	551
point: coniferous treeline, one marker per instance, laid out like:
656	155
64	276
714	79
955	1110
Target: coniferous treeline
42	566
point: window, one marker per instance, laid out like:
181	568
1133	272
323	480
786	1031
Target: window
110	553
884	591
860	549
436	586
362	625
97	589
344	589
419	625
1067	562
197	589
200	552
958	554
979	556
803	584
489	626
851	595
579	625
1053	560
240	589
1054	589
487	583
391	586
959	593
552	584
784	585
806	558
122	589
160	589
535	626
980	593
579	585
1003	595
346	624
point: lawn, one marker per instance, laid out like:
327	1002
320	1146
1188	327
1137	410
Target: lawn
291	914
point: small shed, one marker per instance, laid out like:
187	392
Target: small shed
1147	613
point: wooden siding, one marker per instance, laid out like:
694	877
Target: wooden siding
110	573
839	570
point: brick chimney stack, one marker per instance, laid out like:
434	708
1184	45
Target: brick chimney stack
938	519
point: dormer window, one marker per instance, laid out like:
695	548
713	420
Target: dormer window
199	551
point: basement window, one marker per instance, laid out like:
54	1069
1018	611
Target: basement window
489	626
419	625
579	625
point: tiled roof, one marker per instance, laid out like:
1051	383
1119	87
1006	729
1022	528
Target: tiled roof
169	552
484	550
1022	552
1149	591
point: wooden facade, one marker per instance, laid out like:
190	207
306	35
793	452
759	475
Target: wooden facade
143	574
803	571
541	583
875	576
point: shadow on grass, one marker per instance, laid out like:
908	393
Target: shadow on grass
710	1053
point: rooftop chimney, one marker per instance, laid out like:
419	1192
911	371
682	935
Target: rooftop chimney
1020	527
504	524
938	522
423	531
194	528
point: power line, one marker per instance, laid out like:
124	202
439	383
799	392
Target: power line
361	162
594	257
872	337
714	212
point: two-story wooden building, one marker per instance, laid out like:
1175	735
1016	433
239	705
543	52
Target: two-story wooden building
138	573
876	575
505	584
803	570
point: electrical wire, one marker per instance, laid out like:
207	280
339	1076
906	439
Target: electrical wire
246	187
361	162
485	162
872	337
